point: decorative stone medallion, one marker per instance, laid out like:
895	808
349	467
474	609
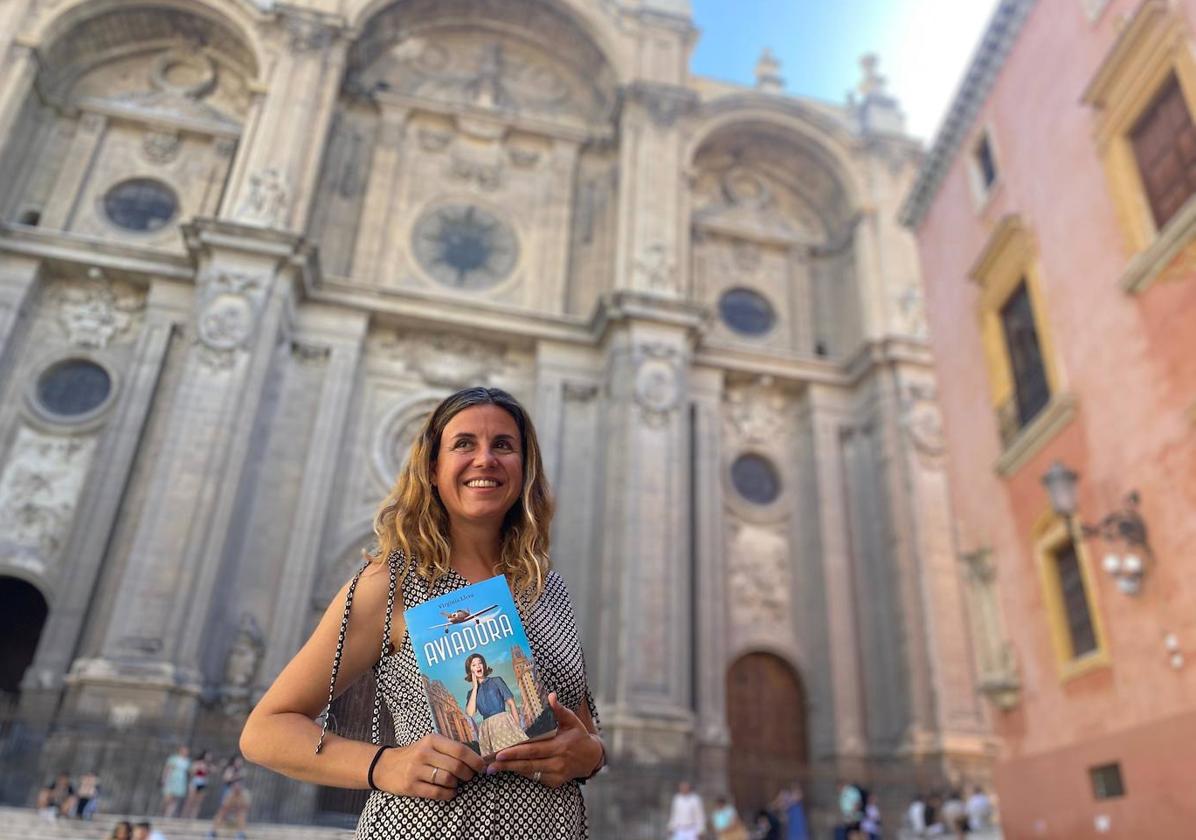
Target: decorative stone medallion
657	385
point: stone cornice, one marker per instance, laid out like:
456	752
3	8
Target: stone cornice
71	248
999	37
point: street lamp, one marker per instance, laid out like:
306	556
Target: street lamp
1123	530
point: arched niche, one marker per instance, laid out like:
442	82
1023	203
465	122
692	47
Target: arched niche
772	218
131	123
766	717
458	104
23	612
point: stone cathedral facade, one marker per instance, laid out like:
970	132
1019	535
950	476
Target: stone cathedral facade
245	247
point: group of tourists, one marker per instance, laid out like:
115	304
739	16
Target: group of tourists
784	819
949	814
63	797
185	782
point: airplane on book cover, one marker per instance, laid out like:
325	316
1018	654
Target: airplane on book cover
462	616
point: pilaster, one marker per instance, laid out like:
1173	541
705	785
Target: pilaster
709	575
18	278
646	622
95	518
342	339
151	655
829	417
274	175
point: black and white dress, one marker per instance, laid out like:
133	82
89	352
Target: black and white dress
504	805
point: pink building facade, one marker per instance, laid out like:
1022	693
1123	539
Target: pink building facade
1056	224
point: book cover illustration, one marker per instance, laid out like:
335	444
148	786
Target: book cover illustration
481	682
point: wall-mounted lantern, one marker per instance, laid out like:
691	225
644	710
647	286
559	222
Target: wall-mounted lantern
1123	531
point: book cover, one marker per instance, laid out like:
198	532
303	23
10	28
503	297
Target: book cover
481	681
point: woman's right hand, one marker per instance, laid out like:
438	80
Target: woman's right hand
433	767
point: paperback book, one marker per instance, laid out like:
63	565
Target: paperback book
478	672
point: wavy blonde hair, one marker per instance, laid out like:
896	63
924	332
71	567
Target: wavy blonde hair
413	520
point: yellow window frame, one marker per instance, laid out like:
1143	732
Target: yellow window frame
1050	534
1154	46
1009	258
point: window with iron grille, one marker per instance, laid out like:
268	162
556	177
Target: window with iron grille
1106	781
1080	631
1164	142
1031	390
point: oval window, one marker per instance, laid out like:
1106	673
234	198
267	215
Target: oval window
465	246
746	312
755	478
141	204
73	387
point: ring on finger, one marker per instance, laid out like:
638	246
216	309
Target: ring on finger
536	776
435	773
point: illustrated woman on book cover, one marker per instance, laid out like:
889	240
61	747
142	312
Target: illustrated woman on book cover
490	697
470	503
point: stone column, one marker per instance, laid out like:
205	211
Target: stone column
646	621
151	654
276	169
710	573
342	339
829	416
650	236
167	308
947	706
381	191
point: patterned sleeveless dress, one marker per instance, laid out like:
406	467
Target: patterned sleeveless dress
504	805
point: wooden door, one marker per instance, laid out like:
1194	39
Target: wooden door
766	712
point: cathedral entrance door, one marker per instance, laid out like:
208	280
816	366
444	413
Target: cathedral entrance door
766	713
22	617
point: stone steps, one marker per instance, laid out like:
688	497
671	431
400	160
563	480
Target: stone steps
27	824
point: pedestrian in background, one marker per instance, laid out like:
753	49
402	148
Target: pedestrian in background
87	797
870	824
56	799
980	810
790	805
123	830
687	818
200	769
175	775
233	812
726	822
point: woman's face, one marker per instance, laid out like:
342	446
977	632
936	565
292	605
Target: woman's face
479	466
477	668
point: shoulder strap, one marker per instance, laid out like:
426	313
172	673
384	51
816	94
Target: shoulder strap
375	737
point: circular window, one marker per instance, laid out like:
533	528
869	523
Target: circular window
464	246
746	312
755	478
142	205
73	387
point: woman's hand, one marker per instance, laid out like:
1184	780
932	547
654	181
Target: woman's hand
573	752
433	767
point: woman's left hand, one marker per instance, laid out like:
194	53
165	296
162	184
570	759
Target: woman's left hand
571	753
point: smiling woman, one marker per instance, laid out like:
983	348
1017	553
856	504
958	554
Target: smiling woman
471	502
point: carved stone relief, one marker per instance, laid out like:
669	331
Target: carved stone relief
229	306
753	413
911	311
923	423
446	360
39	491
161	147
95	312
489	73
657	383
655	270
757	576
267	199
241	664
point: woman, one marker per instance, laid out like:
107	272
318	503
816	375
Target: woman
175	774
471	502
199	785
726	822
491	698
791	803
123	830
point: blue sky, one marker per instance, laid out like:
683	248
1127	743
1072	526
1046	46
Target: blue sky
924	46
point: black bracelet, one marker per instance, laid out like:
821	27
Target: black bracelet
369	776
